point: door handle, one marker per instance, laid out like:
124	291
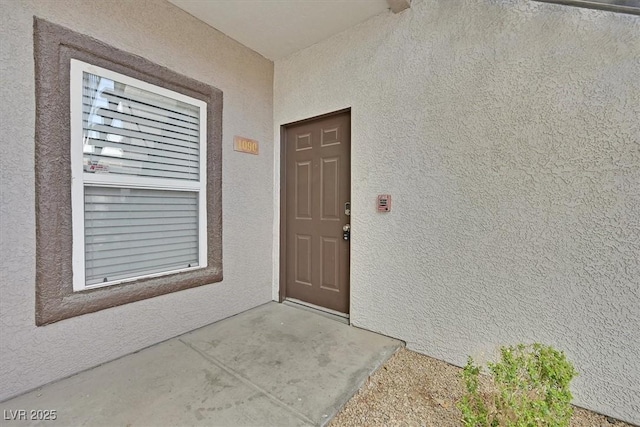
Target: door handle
346	232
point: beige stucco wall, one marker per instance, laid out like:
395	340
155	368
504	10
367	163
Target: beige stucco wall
508	134
30	355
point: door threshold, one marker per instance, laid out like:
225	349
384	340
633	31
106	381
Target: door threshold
326	312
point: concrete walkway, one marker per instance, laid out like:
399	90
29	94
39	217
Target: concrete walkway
274	365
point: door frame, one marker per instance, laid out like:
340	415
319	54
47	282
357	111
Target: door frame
282	286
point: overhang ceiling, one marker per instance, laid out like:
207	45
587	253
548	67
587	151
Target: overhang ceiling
277	28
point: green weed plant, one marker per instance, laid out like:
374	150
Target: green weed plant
528	387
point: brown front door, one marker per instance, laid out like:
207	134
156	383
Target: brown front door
318	186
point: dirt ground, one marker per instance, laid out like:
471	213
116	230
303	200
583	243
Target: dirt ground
415	390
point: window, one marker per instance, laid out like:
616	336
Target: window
138	170
128	177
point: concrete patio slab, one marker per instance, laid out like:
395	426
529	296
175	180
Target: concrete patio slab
273	365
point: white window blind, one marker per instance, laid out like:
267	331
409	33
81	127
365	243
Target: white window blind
139	190
136	132
132	232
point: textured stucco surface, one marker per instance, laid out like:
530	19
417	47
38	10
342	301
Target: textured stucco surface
162	33
508	134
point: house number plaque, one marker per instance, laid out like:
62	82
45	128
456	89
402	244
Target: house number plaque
245	145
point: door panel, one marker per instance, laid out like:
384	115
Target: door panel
330	270
303	190
330	189
318	184
303	260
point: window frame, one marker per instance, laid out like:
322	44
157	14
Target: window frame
55	300
81	179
